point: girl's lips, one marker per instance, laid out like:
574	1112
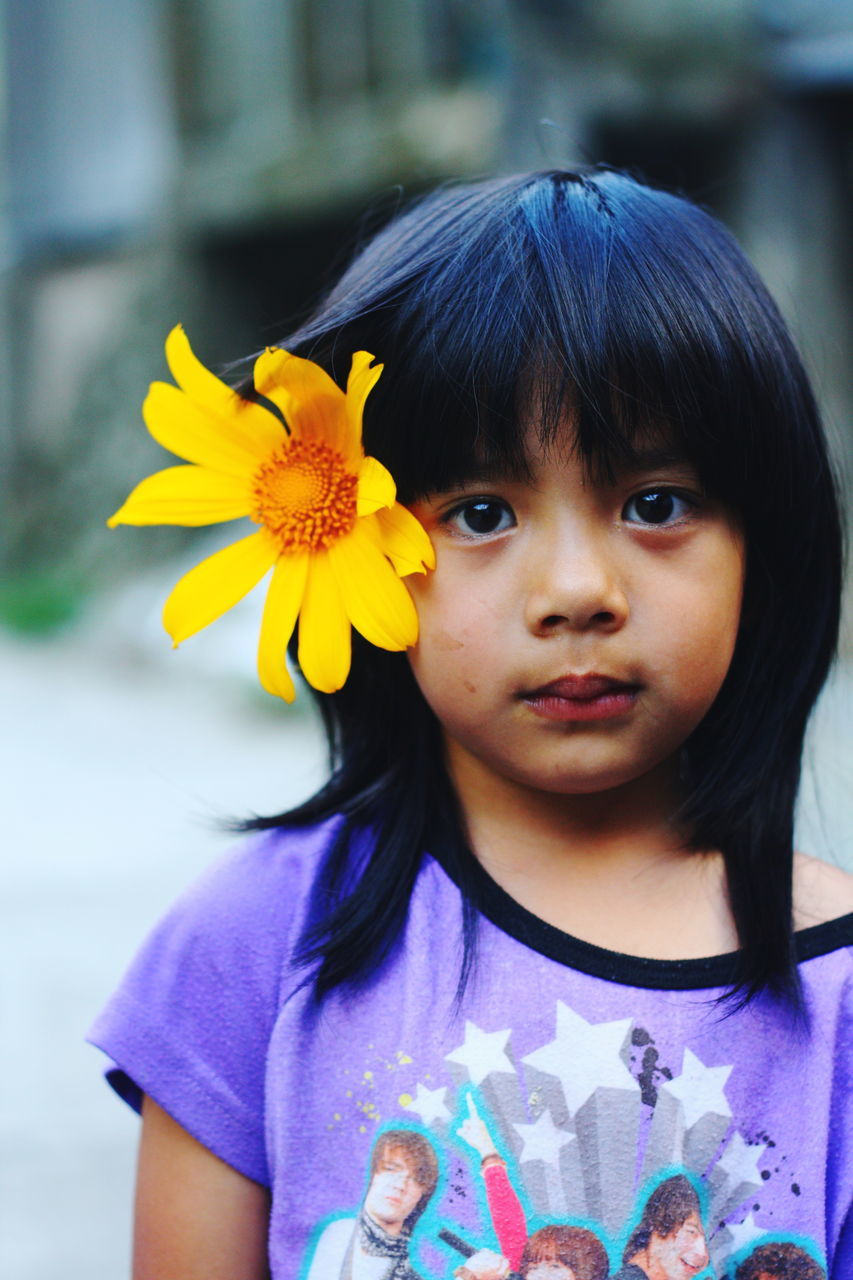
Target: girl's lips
592	697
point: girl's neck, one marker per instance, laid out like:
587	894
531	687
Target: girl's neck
611	868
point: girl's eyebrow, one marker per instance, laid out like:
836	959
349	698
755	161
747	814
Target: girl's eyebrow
493	473
652	458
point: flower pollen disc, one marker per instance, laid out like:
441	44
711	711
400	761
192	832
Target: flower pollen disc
305	496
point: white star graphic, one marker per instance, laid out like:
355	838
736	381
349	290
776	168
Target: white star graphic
743	1233
482	1052
699	1089
429	1104
542	1139
739	1161
585	1056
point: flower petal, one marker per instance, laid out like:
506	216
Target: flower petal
325	638
405	541
313	405
376	601
281	609
192	377
236	442
361	381
184	495
217	584
376	487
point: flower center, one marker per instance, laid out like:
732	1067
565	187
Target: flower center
305	496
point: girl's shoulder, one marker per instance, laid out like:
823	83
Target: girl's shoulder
260	865
189	1024
822	892
234	931
261	888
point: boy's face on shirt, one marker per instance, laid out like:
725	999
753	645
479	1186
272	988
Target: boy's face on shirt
576	631
681	1255
549	1271
394	1191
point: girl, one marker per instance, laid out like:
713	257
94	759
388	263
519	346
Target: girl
552	869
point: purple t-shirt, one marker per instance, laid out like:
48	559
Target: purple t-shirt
623	1102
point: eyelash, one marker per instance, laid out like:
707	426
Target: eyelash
455	515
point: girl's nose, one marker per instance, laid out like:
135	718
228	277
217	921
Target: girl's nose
575	585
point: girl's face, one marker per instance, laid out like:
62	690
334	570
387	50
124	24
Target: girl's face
575	632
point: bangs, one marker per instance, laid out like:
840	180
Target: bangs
555	300
547	1251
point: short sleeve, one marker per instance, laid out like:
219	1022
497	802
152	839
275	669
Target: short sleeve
191	1022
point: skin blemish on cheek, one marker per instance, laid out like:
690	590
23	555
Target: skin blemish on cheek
447	643
472	688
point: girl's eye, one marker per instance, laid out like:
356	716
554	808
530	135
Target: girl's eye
481	516
656	507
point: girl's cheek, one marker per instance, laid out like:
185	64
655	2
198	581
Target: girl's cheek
447	642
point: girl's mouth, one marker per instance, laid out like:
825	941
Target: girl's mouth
582	698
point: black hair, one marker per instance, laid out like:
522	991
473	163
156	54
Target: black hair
637	309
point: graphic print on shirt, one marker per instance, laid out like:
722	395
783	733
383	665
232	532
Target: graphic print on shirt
587	1160
402	1178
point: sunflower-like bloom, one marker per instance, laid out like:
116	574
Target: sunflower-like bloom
331	530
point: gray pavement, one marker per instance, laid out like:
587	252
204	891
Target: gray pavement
119	759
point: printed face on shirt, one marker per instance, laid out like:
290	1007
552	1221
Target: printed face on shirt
780	1261
680	1255
550	1271
576	631
777	1275
394	1191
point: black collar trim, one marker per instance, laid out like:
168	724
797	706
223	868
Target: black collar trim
633	971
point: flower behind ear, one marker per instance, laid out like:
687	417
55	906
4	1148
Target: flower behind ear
330	528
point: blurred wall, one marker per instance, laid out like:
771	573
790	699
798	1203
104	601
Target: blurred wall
201	161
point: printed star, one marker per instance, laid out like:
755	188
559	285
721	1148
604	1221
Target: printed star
699	1089
739	1161
743	1233
429	1104
482	1053
542	1139
585	1056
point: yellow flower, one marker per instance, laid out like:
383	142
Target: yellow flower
331	530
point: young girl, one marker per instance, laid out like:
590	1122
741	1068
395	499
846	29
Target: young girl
551	878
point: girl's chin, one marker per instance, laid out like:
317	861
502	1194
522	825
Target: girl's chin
586	776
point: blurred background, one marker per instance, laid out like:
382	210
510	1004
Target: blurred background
215	162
